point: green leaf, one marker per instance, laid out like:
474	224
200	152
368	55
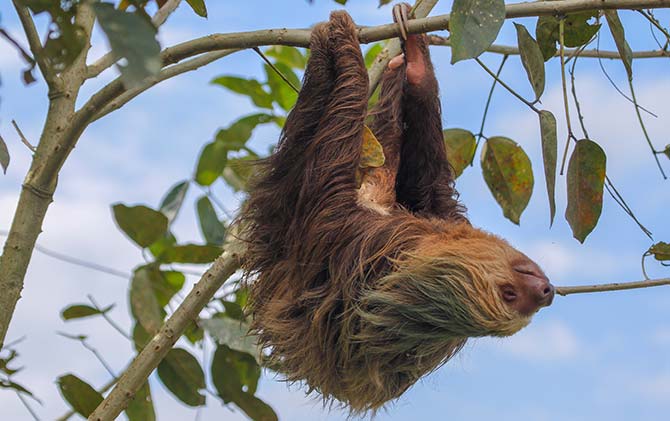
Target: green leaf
233	333
232	371
194	333
474	25
191	253
181	373
461	145
141	406
212	161
661	251
508	174
531	58
144	304
249	87
235	377
4	155
210	226
141	224
666	151
586	178
198	7
132	36
577	31
549	153
140	337
79	311
80	395
290	56
372	53
384	2
233	310
616	28
158	247
172	201
235	137
282	92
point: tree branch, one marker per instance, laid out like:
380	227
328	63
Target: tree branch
300	37
594	53
148	359
33	38
165	74
106	61
618	286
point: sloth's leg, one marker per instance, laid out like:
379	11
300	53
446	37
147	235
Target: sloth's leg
331	156
425	182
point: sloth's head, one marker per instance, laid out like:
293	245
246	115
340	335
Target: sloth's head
457	285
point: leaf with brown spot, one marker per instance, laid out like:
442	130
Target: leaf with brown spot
508	174
549	152
461	145
372	152
586	178
474	25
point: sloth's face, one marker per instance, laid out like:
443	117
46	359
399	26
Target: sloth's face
528	289
480	283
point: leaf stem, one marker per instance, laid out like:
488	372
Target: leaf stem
504	85
274	68
561	30
488	103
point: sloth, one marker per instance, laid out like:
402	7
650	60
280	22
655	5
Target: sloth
360	288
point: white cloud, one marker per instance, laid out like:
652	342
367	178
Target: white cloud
542	341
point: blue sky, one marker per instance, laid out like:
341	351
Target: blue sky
598	356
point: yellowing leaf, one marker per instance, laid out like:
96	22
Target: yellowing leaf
460	144
661	251
508	174
586	178
372	153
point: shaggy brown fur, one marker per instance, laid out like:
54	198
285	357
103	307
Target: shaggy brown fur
359	304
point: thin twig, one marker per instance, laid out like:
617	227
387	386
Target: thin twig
644	129
108	319
609	78
619	286
488	103
25	403
653	21
75	261
504	85
23	137
98	356
274	68
27	57
580	116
